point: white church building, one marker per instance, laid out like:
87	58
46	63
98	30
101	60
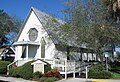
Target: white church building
39	38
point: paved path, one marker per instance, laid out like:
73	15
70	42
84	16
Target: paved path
73	80
89	80
12	79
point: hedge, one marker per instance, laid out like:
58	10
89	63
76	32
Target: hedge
98	72
3	66
37	75
49	79
26	71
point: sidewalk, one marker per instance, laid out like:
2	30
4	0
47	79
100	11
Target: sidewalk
89	80
75	80
12	79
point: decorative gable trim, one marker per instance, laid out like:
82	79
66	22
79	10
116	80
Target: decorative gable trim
23	25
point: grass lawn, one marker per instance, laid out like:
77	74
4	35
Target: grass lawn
115	75
115	70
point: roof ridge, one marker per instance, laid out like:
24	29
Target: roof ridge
47	14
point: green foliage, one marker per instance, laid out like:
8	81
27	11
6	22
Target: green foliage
42	79
5	22
100	75
25	71
49	79
99	72
98	67
3	67
37	75
115	69
47	67
90	24
12	72
115	75
8	26
15	72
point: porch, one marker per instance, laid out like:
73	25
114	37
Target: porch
71	67
26	50
64	66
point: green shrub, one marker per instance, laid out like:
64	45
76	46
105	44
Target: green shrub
49	80
47	67
15	72
115	75
3	67
99	72
12	72
42	79
56	79
37	75
25	71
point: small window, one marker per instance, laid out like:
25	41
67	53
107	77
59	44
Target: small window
23	52
33	34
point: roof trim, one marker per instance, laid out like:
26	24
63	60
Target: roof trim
22	27
26	43
26	19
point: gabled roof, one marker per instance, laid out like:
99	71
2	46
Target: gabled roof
38	62
50	24
8	50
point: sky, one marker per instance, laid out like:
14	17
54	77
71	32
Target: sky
22	7
117	49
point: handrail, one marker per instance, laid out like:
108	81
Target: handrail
8	66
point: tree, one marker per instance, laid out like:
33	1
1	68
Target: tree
113	8
8	26
15	29
89	23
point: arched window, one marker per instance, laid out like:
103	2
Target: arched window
43	43
23	52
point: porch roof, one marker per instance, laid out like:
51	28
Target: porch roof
26	43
